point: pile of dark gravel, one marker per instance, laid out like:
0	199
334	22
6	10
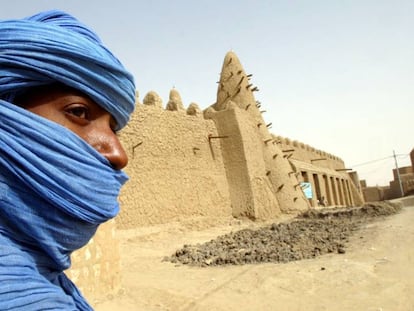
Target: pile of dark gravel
311	234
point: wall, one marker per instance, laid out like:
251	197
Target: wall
393	191
407	182
251	192
222	161
96	267
373	194
175	170
331	181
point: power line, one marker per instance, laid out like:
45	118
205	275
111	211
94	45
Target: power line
377	160
373	161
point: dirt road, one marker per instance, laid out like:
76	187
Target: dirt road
375	273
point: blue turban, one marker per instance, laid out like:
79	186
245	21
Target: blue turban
55	189
54	47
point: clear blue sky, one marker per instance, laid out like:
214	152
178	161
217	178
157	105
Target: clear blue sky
337	75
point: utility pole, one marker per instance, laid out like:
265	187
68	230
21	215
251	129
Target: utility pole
398	174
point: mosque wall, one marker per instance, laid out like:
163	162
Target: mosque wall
176	169
251	192
330	180
222	161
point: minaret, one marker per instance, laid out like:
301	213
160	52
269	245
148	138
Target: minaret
234	84
235	90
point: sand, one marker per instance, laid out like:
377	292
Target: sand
375	273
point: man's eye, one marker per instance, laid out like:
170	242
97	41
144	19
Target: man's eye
79	112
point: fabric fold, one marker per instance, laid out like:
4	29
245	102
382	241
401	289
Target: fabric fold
54	47
55	189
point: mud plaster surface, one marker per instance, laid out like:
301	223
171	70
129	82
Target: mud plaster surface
367	265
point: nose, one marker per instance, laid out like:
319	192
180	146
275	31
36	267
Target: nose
111	148
116	154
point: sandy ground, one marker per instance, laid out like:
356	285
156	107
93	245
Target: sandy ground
375	273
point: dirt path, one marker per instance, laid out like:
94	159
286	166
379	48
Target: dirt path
375	273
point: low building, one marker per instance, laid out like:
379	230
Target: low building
401	185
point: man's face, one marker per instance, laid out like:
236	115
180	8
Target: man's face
81	115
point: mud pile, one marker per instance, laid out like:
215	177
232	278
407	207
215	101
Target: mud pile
313	233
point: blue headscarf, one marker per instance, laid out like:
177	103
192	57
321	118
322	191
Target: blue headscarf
54	47
55	189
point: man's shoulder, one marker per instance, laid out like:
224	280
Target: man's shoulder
22	287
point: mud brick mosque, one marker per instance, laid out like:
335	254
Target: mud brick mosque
220	162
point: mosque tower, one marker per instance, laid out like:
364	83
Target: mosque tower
262	182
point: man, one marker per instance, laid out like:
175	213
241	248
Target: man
63	96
